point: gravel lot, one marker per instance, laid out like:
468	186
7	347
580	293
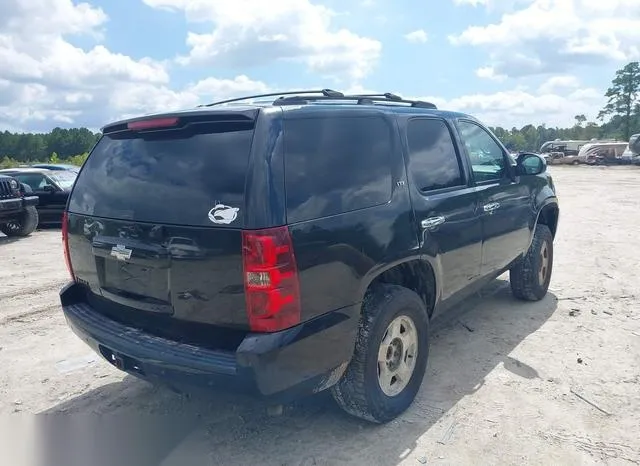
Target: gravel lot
554	382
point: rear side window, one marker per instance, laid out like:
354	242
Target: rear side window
170	177
335	165
433	161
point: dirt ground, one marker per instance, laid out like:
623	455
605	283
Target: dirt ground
554	382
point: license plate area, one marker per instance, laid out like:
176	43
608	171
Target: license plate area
136	280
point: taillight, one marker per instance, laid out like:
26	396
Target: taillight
270	279
65	243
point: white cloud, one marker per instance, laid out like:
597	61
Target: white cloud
518	107
254	32
551	36
488	72
50	17
45	80
560	83
417	37
135	99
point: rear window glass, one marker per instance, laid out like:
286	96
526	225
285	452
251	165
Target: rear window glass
335	165
432	156
172	177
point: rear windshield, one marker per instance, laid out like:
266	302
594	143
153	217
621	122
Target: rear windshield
194	176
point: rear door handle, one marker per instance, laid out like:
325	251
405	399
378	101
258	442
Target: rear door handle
491	206
433	222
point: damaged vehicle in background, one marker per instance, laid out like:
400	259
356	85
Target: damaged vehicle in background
602	152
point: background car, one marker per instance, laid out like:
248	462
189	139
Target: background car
18	215
52	188
57	166
560	158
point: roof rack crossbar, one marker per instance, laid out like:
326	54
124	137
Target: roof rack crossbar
359	98
322	92
386	95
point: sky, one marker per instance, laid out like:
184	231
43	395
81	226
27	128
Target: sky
69	63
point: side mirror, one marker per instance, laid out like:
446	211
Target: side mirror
529	163
48	188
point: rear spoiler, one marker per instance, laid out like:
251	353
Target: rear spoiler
180	120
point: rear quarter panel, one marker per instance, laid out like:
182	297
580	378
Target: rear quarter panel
338	256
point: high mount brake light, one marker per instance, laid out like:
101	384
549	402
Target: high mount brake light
271	283
65	243
152	124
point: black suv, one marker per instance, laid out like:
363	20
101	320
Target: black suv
18	215
299	244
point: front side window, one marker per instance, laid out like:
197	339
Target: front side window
487	158
35	181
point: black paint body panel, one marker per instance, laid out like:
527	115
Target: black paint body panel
182	286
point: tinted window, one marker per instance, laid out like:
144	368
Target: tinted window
173	177
487	158
64	178
432	155
35	181
335	165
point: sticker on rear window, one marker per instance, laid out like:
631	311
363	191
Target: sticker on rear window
223	214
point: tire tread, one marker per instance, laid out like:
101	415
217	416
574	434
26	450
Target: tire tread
523	275
350	392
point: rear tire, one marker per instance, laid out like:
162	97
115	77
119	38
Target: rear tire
530	277
390	356
24	225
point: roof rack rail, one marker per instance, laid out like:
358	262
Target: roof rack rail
322	92
361	99
386	95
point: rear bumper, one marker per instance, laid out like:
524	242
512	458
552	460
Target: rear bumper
280	366
10	206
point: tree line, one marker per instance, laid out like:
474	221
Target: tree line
58	145
619	119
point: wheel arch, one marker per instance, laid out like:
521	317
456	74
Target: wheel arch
549	215
414	273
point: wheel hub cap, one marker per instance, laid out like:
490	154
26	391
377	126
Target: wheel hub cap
397	355
544	263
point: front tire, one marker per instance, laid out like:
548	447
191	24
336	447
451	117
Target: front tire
530	277
390	356
24	225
